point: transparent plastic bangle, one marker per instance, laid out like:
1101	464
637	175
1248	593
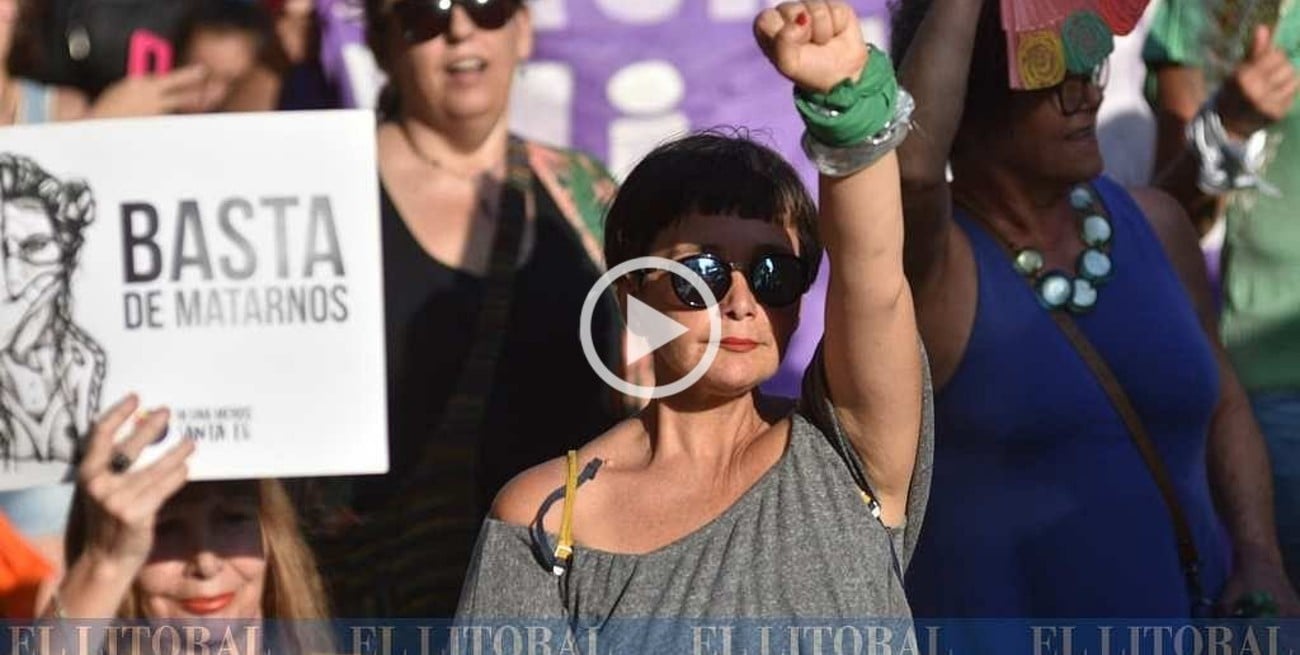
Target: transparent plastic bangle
842	162
1227	164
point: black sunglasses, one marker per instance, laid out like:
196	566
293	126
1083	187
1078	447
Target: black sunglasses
776	280
425	20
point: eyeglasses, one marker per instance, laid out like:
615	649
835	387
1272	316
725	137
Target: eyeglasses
425	20
1072	93
776	280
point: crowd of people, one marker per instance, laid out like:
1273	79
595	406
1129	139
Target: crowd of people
1027	399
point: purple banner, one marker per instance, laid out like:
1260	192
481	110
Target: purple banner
617	77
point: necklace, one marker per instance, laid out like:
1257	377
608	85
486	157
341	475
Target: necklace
430	161
1094	268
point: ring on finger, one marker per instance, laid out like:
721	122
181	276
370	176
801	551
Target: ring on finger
119	463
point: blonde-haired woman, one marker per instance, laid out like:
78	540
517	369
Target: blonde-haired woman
144	543
491	244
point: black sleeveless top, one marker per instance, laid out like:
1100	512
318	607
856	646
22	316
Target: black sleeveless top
403	551
545	398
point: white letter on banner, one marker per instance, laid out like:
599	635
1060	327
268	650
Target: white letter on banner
640	12
548	15
541	102
873	30
648	93
733	10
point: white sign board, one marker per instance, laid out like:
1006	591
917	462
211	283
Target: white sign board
227	267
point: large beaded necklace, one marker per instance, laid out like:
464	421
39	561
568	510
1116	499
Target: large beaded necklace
1057	290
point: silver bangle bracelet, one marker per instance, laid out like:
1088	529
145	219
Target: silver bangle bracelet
844	161
1227	164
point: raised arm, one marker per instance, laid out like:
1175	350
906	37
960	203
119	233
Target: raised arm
871	352
1237	457
115	510
1259	92
934	69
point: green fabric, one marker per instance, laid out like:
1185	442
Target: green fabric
864	107
585	176
1261	280
1176	35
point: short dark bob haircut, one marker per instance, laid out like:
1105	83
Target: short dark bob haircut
714	172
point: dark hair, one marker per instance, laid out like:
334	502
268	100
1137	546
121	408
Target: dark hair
377	30
26	49
377	40
711	173
225	16
70	204
988	90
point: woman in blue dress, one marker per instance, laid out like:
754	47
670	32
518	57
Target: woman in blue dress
1042	504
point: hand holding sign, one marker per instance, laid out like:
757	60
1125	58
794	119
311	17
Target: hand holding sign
816	44
234	276
123	503
1260	90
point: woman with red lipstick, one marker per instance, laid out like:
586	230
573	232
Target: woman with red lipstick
1088	422
719	501
491	244
143	543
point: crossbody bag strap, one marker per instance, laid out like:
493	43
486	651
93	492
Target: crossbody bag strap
1188	555
463	416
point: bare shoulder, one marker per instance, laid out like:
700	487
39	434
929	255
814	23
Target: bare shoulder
520	499
1168	218
1181	244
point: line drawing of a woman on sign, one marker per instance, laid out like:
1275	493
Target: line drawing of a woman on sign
51	371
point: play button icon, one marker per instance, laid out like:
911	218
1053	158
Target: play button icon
648	329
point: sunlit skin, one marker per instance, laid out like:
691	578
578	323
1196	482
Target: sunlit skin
298	7
454	90
1042	146
208	560
735	370
1042	143
685	459
8	22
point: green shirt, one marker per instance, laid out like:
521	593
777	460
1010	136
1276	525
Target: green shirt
1261	261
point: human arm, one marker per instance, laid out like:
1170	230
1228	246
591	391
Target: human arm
871	356
120	510
935	70
152	95
1259	92
1237	460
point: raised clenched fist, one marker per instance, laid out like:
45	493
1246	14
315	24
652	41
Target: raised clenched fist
815	43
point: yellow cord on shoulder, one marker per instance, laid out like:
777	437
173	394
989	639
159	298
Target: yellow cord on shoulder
564	549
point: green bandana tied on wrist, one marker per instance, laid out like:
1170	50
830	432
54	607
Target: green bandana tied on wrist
853	111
